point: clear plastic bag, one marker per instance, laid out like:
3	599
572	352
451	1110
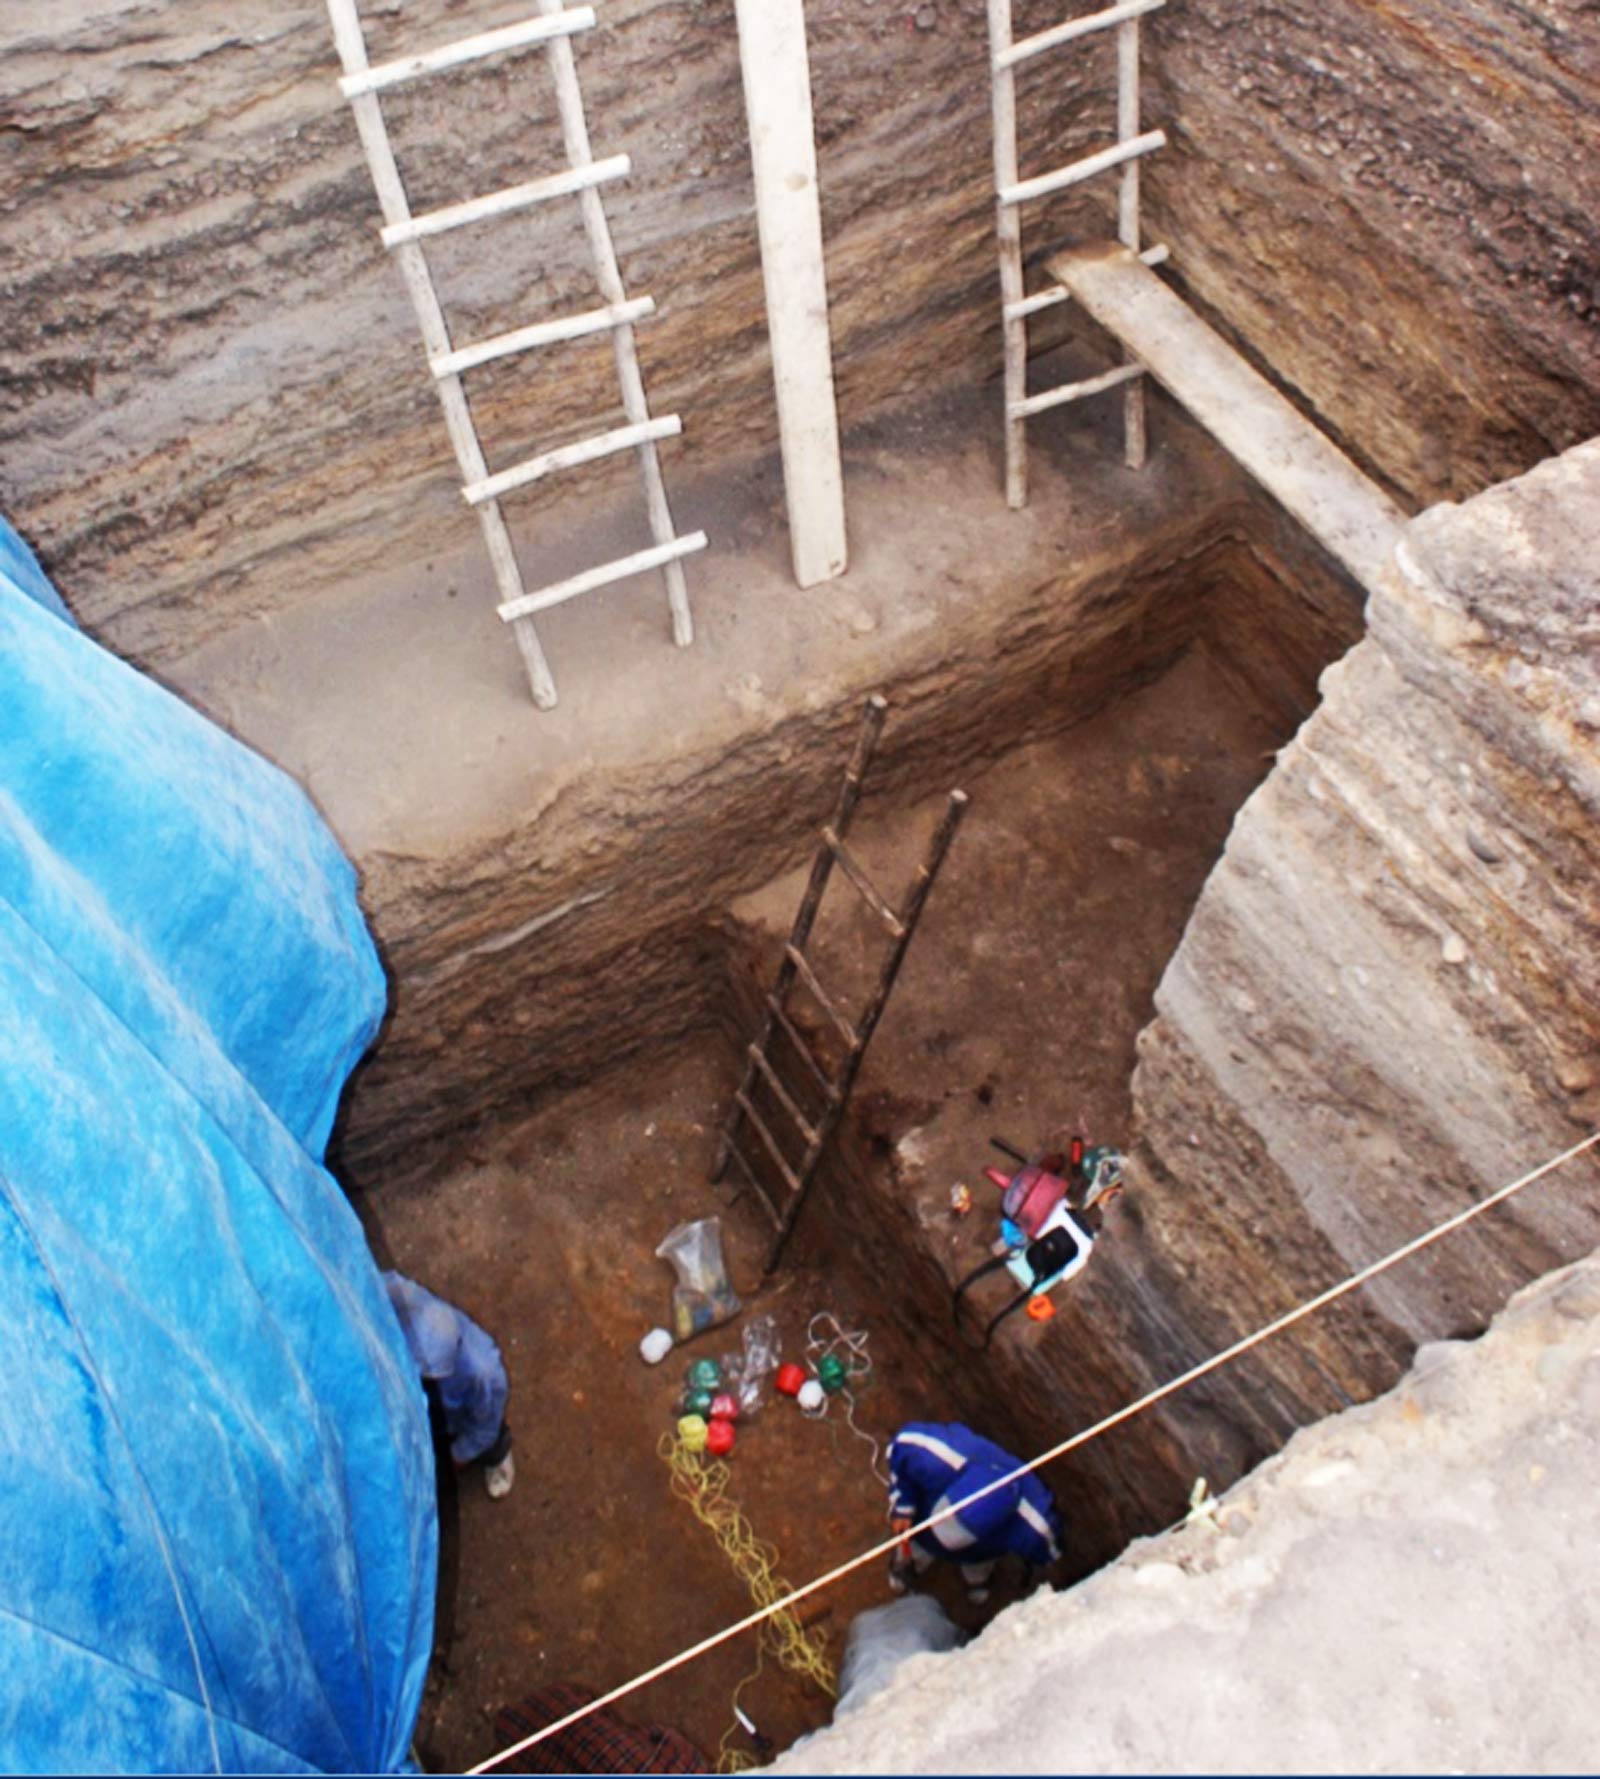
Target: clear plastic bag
745	1373
702	1297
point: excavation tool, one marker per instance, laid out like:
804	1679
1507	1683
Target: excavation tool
826	1091
1045	1237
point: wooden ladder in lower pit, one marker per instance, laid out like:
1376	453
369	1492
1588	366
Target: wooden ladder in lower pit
814	1130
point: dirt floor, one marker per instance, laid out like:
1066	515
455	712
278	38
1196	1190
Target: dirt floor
1017	1012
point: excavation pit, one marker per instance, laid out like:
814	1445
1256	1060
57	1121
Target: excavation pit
1107	723
1065	893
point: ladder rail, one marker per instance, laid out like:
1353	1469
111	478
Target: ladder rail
608	276
1133	409
1008	230
466	49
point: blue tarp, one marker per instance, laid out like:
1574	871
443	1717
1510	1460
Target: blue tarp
217	1532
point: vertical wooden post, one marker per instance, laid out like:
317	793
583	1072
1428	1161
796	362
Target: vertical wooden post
783	154
1008	227
1133	430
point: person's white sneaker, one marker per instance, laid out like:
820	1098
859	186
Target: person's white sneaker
499	1478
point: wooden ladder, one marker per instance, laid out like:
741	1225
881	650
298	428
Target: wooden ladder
816	1128
402	233
1012	192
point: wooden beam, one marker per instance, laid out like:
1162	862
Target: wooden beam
783	153
1348	514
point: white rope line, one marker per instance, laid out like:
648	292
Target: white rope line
1148	1400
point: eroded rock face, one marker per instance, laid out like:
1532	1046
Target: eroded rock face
1387	1003
1407	1586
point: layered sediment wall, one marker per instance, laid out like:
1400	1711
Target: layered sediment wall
213	401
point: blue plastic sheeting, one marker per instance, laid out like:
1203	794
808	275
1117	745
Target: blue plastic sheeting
217	1533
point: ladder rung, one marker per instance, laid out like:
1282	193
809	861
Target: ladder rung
752	1116
1044	299
591	578
782	1094
603	444
1084	169
503	203
467	49
792	1033
1057	34
863	885
1058	293
798	958
1071	392
736	1155
542	333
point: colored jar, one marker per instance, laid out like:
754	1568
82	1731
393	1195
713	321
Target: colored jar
831	1373
789	1379
704	1374
719	1438
692	1431
724	1407
698	1402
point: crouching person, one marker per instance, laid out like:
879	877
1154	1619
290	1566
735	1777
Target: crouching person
464	1366
939	1465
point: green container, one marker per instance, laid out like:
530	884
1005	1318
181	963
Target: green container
831	1373
697	1402
704	1374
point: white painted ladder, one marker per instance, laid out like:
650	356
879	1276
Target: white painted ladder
1012	192
403	234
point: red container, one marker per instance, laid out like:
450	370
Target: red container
724	1407
1029	1196
789	1379
719	1438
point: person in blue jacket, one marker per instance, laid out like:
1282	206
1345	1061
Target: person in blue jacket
935	1465
464	1365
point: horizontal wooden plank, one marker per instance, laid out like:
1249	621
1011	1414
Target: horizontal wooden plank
602	444
1062	177
1072	392
467	49
541	333
1035	45
506	201
1348	514
591	578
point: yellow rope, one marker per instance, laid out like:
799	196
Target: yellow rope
754	1561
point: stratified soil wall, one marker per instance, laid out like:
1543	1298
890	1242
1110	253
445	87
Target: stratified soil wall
214	399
